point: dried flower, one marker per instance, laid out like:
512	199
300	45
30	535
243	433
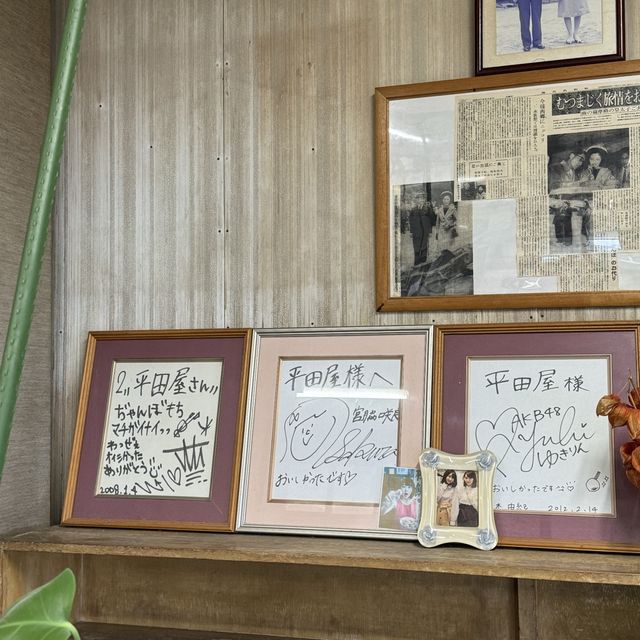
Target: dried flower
620	414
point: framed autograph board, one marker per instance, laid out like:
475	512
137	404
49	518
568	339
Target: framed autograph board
528	393
329	412
159	430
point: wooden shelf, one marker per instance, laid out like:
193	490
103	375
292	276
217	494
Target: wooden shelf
96	631
562	566
140	585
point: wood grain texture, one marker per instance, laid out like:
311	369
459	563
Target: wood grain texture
219	168
586	612
317	601
25	572
527	610
24	100
100	631
291	600
399	556
255	205
300	77
140	219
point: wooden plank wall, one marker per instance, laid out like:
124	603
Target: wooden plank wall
24	100
219	168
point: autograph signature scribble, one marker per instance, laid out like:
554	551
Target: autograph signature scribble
320	432
527	440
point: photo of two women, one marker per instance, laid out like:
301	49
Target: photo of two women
457	499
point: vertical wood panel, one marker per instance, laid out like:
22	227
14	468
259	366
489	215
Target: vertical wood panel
24	572
299	193
140	213
24	99
301	601
586	611
527	610
227	177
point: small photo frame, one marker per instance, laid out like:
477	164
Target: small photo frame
328	411
537	34
158	436
400	499
457	499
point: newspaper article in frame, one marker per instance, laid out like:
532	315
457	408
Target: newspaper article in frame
559	170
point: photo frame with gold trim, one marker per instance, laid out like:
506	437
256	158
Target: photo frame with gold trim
528	393
327	411
158	434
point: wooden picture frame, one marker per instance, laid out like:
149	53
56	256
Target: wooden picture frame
532	34
465	220
328	410
158	435
457	499
528	393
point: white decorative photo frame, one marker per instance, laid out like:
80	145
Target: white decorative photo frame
457	499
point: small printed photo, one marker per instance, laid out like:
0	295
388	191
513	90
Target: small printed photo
580	164
473	190
457	498
433	240
400	499
588	161
570	224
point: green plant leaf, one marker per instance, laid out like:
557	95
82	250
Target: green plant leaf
44	613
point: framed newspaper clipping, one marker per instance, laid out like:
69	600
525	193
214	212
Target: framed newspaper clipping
532	34
511	191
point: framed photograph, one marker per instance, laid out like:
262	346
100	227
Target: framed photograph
516	35
528	393
158	436
457	499
328	411
511	191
